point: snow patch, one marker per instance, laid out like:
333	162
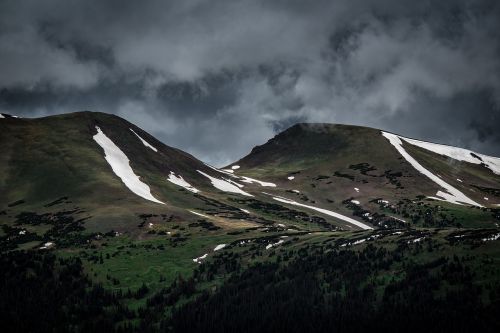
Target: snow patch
235	167
291	178
416	240
356	189
228	170
219	247
120	164
1	116
268	246
459	154
225	186
296	191
178	180
47	245
356	202
324	211
245	211
453	195
398	219
459	180
219	170
199	259
492	238
261	183
144	142
199	214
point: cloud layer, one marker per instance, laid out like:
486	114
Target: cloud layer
216	78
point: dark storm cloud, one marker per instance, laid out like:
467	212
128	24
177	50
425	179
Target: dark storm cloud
217	77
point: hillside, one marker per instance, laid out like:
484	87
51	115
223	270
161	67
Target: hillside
336	165
322	226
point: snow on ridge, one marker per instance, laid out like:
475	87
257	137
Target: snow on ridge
120	164
459	154
2	116
224	185
324	211
453	195
144	142
178	180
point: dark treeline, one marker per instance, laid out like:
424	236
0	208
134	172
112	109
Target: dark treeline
339	291
316	288
42	293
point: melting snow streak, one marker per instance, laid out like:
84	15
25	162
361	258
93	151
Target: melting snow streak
324	211
178	180
453	195
144	141
120	164
224	185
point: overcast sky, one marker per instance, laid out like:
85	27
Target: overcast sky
216	78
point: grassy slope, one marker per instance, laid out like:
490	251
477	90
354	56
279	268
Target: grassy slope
143	254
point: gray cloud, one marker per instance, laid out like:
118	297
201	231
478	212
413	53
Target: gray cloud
217	77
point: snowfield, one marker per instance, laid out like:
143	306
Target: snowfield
459	154
225	186
453	195
324	211
144	142
178	180
120	164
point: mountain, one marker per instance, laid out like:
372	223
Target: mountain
323	225
334	165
